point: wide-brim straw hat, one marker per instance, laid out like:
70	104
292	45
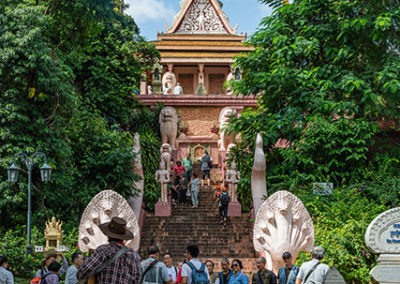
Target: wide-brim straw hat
116	229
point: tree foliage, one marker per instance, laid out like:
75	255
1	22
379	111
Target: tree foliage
69	71
325	71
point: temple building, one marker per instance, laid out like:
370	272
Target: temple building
197	56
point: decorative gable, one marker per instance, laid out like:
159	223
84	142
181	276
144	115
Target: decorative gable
202	17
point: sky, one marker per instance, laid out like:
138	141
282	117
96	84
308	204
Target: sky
151	15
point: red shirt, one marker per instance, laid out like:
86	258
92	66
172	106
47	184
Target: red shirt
179	170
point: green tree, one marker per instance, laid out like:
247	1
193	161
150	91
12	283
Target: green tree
329	59
324	71
68	75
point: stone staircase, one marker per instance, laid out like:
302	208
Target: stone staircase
201	226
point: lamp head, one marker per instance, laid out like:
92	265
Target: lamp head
45	172
12	173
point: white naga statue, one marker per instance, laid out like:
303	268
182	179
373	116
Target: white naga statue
136	202
224	119
103	207
162	177
169	126
282	224
232	177
165	156
258	180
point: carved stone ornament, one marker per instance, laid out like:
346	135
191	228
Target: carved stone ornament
282	224
383	234
136	202
334	277
202	17
258	180
224	119
103	207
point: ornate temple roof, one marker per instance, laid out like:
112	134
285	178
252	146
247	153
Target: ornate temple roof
201	16
200	33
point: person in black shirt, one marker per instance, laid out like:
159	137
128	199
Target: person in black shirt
226	272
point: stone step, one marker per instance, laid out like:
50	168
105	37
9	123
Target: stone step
199	225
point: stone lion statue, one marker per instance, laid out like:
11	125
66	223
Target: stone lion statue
224	118
169	126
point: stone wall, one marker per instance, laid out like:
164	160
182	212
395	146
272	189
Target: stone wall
199	120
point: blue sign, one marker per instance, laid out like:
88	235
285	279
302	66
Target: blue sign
394	235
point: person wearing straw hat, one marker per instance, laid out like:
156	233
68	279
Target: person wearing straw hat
113	262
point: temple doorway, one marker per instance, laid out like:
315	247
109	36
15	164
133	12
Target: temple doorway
216	83
187	83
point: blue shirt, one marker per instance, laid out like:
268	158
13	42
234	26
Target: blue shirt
71	278
292	274
240	278
195	184
6	276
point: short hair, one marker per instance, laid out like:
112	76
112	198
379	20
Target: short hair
195	175
193	250
178	163
75	255
286	255
318	253
54	266
167	253
239	262
210	261
225	260
152	250
263	260
3	260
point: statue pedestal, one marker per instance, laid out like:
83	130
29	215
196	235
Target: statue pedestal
387	270
234	209
163	209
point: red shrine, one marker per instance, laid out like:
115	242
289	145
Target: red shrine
197	54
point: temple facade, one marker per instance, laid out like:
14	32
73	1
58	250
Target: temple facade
197	56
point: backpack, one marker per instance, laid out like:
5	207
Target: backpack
225	198
38	279
44	281
149	268
199	276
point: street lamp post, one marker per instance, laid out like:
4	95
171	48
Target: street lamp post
45	173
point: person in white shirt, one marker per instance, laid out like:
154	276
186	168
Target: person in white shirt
192	252
313	271
6	277
77	260
178	90
172	270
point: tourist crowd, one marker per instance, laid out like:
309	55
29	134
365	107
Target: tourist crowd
116	263
184	185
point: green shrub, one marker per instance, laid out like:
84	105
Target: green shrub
340	222
13	246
